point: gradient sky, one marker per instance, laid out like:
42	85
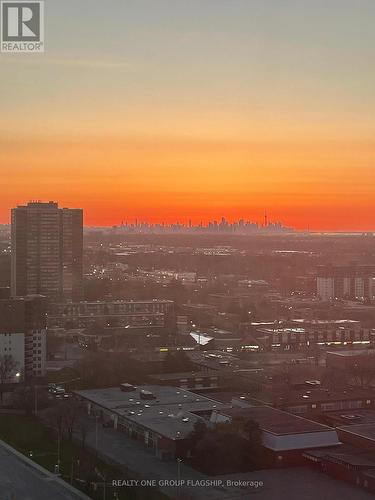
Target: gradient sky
193	109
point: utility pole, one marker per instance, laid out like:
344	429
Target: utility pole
96	434
179	460
35	400
58	452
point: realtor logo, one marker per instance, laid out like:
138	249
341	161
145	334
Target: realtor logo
22	26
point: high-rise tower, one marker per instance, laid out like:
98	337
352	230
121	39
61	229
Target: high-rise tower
47	248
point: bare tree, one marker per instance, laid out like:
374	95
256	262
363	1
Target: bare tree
71	412
7	366
333	379
54	418
64	417
363	374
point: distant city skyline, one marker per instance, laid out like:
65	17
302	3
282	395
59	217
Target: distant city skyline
221	223
240	226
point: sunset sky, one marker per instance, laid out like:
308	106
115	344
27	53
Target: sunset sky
171	110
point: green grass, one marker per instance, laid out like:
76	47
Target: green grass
27	434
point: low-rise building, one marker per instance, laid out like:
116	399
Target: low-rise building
359	435
346	463
284	436
344	360
110	313
197	381
347	417
310	401
299	334
161	417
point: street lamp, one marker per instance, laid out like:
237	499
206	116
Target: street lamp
179	460
96	433
35	400
57	467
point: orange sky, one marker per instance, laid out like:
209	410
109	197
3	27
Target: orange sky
301	183
196	110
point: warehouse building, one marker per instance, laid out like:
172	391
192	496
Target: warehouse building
284	436
161	417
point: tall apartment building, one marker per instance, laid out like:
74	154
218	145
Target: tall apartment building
345	282
23	334
47	248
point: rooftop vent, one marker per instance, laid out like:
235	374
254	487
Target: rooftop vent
146	394
127	387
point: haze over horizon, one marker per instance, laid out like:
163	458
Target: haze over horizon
176	110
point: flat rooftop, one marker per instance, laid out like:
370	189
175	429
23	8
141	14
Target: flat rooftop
346	454
283	330
295	397
351	353
325	321
366	431
225	396
129	301
361	416
294	483
217	360
277	421
184	375
172	413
